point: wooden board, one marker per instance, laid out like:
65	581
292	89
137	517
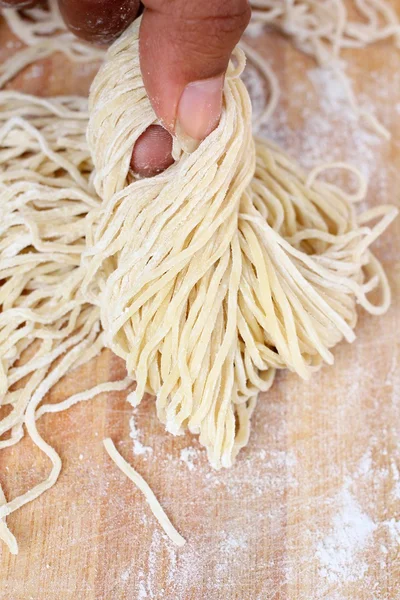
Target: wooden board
311	510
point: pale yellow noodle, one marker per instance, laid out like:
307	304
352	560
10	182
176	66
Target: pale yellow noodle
138	480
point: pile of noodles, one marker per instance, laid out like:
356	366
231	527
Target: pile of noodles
243	265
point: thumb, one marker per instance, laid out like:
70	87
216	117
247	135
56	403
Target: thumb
185	47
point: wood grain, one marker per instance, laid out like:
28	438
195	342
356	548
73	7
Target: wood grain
311	510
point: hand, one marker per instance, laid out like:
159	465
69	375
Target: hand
185	46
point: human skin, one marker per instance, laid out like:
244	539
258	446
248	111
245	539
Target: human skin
185	47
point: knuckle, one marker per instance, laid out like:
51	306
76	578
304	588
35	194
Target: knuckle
221	17
215	32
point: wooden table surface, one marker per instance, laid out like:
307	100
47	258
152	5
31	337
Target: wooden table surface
311	509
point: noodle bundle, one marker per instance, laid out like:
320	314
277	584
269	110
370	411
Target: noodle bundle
227	266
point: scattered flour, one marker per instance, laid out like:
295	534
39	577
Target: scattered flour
138	447
35	71
331	92
393	527
142	592
326	120
231	543
365	465
339	552
396	479
13	44
188	456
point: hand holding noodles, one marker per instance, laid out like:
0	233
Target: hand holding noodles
222	269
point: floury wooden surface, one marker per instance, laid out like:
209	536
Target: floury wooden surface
311	510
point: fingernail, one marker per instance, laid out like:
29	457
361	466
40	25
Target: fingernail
200	108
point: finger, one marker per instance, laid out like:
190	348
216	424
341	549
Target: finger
18	3
99	21
185	46
152	153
